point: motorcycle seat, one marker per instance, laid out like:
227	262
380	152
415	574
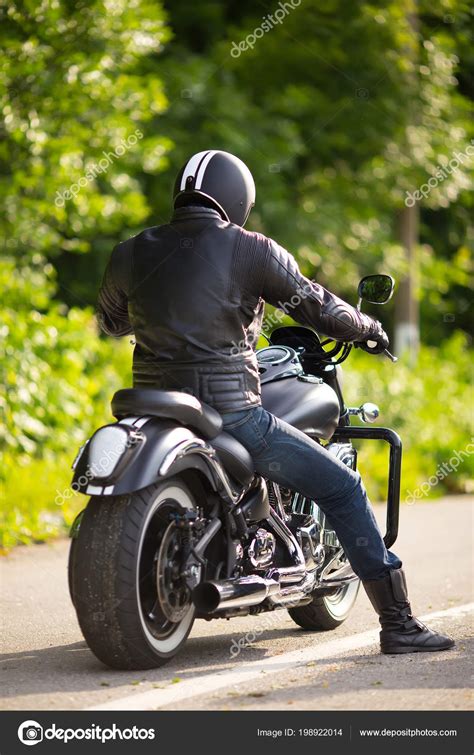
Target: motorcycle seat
235	457
177	405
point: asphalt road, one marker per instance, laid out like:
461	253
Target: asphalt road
46	664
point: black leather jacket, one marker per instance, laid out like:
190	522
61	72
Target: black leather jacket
193	293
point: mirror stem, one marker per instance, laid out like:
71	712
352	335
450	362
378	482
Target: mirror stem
390	356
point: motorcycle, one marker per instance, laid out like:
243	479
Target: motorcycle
179	527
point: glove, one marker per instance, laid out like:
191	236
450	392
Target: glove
376	342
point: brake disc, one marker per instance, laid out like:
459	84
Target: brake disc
173	594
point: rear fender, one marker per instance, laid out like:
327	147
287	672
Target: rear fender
129	455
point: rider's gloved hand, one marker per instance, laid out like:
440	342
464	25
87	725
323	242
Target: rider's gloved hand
376	342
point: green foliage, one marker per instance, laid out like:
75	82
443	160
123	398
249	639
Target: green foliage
339	111
58	374
427	405
58	377
74	109
30	513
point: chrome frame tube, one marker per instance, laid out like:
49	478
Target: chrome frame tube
288	538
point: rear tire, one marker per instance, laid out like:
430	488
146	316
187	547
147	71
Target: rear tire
327	612
116	568
71	567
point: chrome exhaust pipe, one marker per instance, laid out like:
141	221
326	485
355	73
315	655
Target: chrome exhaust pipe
284	574
212	596
294	593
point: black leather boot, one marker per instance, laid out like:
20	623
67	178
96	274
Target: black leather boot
401	631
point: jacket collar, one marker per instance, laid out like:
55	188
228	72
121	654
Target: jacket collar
194	211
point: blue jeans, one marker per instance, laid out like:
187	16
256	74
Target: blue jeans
288	457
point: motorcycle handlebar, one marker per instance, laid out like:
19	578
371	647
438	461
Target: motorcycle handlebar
310	354
373	345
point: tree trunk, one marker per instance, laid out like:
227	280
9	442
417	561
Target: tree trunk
407	318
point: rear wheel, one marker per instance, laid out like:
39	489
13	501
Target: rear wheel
132	603
72	552
328	611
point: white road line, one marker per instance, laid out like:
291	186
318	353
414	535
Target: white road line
244	672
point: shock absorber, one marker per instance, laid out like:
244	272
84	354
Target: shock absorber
276	501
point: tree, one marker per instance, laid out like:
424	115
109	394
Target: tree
342	112
75	109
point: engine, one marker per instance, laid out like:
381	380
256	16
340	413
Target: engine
261	550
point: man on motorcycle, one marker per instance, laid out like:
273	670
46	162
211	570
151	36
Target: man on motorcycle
193	292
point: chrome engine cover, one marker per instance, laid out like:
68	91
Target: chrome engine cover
345	452
261	549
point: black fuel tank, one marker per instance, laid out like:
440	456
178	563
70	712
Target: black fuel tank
303	402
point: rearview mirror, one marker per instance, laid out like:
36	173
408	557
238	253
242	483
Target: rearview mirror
376	289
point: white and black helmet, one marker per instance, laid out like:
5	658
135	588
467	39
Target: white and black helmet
220	180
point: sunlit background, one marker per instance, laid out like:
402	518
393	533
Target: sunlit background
355	121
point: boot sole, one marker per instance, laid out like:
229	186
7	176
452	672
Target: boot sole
401	651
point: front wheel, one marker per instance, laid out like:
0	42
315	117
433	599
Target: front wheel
328	611
132	604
